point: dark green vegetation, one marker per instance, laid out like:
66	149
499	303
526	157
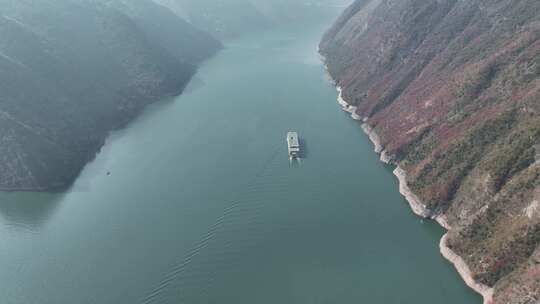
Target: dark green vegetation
72	71
453	90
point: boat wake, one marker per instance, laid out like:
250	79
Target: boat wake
217	253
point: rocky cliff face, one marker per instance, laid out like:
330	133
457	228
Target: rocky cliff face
72	71
452	89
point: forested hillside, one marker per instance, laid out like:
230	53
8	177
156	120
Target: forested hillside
72	71
452	89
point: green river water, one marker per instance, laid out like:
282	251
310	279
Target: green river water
203	206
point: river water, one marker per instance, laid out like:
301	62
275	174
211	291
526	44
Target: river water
203	206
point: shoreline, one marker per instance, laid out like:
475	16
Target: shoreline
346	106
463	269
416	204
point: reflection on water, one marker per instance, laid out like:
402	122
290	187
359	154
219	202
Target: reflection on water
194	84
304	150
23	212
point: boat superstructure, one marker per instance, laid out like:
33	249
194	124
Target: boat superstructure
293	145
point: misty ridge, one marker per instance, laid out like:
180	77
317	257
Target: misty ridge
74	70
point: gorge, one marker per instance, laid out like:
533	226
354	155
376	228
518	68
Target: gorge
143	155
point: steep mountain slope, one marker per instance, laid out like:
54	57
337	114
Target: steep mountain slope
72	71
165	29
451	89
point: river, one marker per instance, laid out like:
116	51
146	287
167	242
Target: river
196	201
